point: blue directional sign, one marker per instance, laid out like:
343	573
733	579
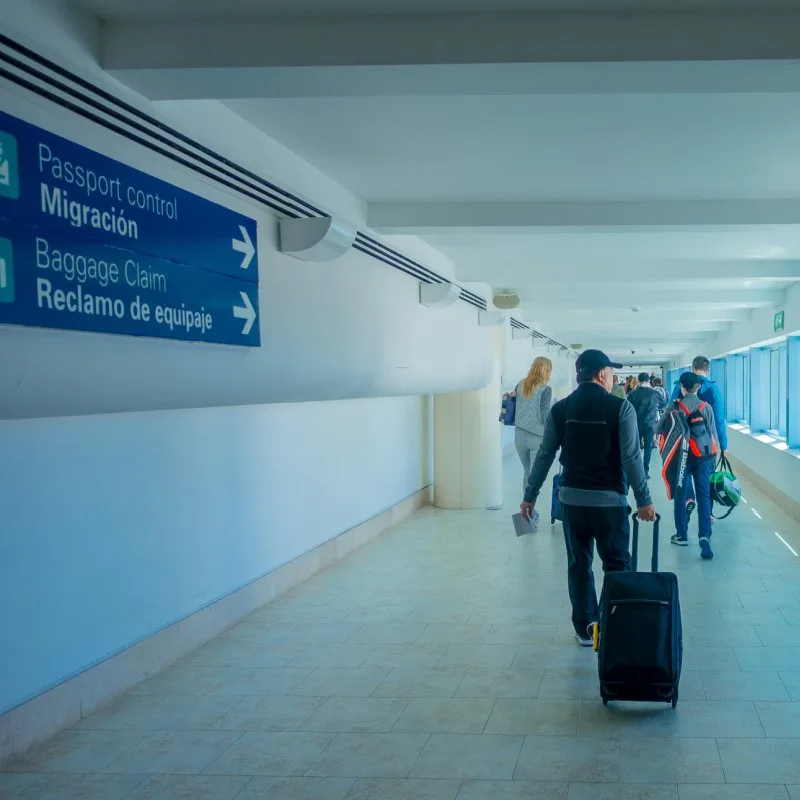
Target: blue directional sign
51	280
53	183
66	210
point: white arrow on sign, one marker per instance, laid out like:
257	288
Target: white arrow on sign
245	312
244	246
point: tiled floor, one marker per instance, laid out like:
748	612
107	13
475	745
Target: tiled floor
438	663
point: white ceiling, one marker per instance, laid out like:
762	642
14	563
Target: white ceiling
176	9
562	147
666	184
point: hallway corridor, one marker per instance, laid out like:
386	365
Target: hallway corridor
439	663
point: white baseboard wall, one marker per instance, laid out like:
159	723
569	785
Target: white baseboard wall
55	709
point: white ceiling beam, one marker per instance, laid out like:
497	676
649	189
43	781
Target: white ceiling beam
536	273
263	56
678	313
548	216
660	325
586	295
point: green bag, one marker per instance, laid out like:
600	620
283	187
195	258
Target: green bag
725	488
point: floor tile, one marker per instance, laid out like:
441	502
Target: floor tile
509	683
370	755
260	713
341	682
569	758
752	616
12	784
775	635
671	761
357	714
623	791
779	719
268	753
730	685
388	633
468	656
445	715
173	752
403	789
624	719
554	656
78	751
724	636
699	657
766	760
420	683
719	718
261	788
267	681
731	792
441	614
521	633
189	787
450	634
417	656
185	679
534	717
333	655
82	787
512	790
575	684
791	680
768	658
463	757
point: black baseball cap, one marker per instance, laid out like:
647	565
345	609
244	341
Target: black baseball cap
590	362
689	381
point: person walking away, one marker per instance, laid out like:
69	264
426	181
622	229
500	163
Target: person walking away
647	403
709	392
617	390
534	398
634	385
658	385
695	418
599	443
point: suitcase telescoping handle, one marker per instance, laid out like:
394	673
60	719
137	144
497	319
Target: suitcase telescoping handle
635	544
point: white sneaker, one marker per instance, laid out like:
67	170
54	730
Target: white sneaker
587	641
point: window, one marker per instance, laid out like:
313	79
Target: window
737	387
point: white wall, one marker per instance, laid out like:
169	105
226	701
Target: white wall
114	527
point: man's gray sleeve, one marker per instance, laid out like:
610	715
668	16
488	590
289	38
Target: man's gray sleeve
631	452
544	460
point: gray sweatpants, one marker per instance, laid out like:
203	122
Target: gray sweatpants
527	445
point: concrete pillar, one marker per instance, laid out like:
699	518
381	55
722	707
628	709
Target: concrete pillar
468	459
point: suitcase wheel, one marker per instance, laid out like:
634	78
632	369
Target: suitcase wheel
605	701
552	520
675	699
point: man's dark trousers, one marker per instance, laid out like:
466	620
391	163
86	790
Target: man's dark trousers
648	433
609	526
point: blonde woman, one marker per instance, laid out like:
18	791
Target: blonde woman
534	397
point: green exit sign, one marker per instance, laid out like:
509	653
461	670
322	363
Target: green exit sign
777	322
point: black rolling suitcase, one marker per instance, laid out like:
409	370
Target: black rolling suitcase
639	638
555	503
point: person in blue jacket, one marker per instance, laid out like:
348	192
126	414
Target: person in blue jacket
709	392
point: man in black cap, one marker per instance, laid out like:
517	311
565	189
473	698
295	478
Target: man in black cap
598	437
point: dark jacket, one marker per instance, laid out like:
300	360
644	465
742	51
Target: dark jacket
647	403
710	393
599	442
